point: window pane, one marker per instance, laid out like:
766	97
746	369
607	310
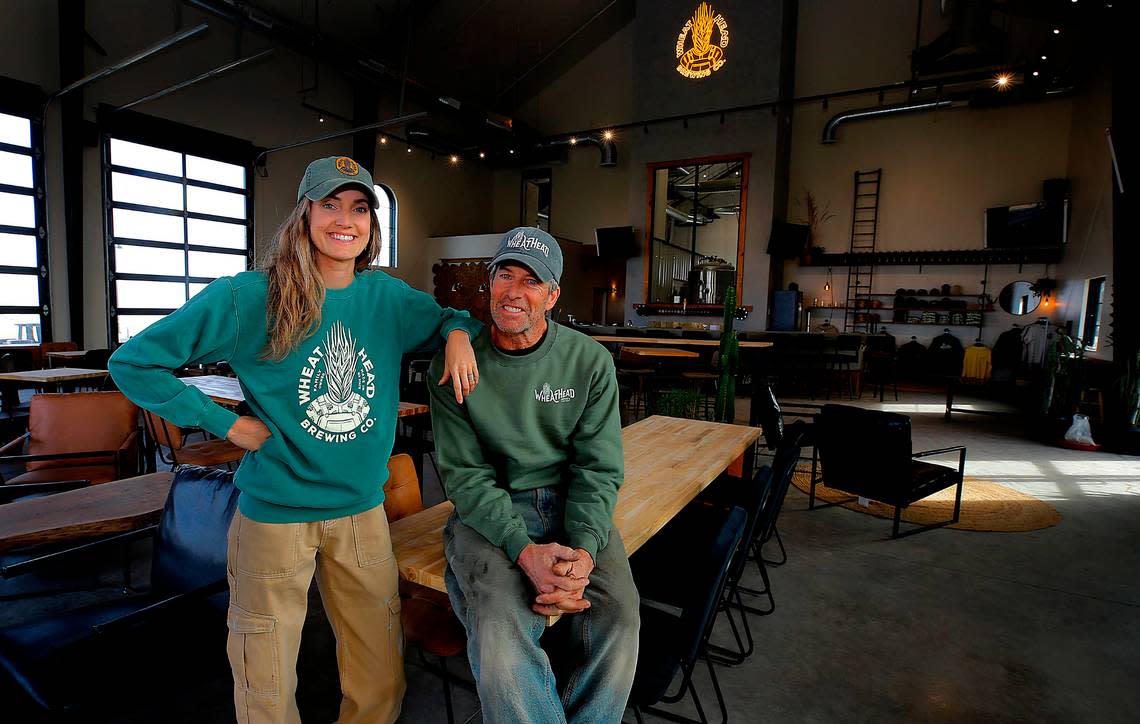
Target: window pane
147	191
15	130
195	288
151	227
17	210
17	250
203	169
215	233
15	169
218	203
132	324
21	290
145	260
19	328
147	158
170	295
205	264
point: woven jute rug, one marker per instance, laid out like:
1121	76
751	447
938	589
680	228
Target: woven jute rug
986	506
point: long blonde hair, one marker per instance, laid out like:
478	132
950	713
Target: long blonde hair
296	287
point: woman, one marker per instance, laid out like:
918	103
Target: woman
316	341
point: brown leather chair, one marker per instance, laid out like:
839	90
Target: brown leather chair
426	614
206	453
91	436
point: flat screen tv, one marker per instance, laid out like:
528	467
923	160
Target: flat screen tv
1036	224
616	242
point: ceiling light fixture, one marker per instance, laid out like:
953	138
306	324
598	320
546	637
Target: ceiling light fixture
383	140
1002	81
482	155
1044	57
1056	31
321	118
454	158
512	151
573	140
409	149
1035	74
608	135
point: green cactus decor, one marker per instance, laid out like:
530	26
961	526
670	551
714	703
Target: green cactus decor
728	363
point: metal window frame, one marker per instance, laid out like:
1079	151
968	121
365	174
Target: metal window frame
111	240
393	219
39	231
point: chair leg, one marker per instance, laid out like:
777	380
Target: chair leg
783	552
446	689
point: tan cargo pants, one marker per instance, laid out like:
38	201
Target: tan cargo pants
270	567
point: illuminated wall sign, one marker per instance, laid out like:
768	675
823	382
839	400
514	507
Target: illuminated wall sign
703	57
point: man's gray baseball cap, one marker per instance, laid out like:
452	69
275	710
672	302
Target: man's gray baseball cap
533	248
325	176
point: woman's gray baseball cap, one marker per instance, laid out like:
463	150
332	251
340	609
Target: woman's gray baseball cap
535	249
325	176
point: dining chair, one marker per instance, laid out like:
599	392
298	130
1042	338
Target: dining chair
77	436
677	619
426	615
179	451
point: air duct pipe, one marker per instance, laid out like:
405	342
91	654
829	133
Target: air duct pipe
864	113
608	148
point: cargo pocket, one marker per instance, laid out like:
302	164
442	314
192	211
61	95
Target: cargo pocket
252	650
370	533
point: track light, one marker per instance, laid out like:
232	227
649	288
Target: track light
573	140
454	159
383	140
608	135
409	149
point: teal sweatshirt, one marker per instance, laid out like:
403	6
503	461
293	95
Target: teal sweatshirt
547	417
330	405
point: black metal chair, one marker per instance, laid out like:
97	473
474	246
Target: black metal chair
677	612
90	659
868	453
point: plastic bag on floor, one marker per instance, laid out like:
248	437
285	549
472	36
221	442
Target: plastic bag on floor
1079	431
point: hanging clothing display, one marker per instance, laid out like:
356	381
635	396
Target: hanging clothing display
1007	354
1034	340
945	355
910	357
976	364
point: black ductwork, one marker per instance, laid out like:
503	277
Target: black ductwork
832	125
608	148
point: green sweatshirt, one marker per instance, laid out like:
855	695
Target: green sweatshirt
547	417
330	405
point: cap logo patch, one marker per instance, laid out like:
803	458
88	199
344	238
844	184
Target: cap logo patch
347	166
522	241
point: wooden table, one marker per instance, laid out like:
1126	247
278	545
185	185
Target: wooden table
89	512
227	391
668	461
677	341
657	352
66	354
52	376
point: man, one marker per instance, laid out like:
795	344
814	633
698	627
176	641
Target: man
533	462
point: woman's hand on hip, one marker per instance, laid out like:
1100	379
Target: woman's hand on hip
459	365
248	433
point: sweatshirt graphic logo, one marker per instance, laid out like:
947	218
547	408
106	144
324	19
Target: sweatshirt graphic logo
546	394
334	386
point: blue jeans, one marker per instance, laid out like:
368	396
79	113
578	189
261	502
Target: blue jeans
594	652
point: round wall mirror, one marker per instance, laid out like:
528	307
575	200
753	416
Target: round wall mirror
1018	298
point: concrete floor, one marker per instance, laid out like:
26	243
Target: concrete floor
943	626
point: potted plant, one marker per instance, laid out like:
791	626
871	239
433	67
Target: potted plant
815	216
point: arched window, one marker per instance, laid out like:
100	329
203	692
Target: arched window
386	215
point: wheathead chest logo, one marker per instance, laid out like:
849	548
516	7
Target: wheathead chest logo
347	166
703	57
522	241
335	386
546	394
